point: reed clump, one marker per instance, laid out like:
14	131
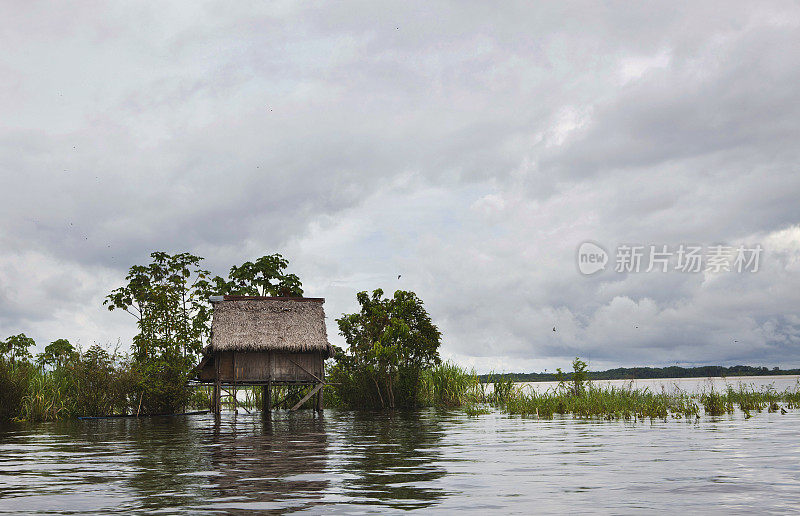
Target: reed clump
503	390
716	403
14	382
449	385
476	410
601	402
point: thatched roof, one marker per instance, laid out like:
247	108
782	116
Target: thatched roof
243	323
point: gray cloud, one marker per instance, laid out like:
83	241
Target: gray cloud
469	147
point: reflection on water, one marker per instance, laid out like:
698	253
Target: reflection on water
349	462
394	462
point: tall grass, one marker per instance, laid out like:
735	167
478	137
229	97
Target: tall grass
601	402
445	385
14	382
94	383
45	400
449	385
716	403
88	383
502	391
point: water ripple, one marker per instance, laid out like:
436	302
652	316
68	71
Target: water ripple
349	462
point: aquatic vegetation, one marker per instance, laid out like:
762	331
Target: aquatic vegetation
449	385
611	402
503	390
14	381
593	401
445	385
603	402
476	410
748	399
45	399
715	404
94	382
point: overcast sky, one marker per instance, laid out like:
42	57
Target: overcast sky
469	147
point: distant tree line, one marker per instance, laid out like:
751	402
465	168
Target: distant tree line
642	373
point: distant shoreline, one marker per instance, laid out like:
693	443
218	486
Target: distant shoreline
645	373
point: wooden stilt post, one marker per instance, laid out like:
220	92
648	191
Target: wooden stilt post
319	399
235	389
266	398
217	403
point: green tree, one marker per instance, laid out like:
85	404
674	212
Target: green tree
264	277
579	375
169	299
16	347
56	353
390	342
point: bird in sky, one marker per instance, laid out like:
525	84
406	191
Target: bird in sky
554	328
398	276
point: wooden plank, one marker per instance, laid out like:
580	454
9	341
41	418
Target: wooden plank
306	370
307	396
296	367
252	366
225	365
217	386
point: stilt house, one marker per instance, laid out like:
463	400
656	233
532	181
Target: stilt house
266	341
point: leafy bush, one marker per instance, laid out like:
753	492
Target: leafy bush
391	342
162	384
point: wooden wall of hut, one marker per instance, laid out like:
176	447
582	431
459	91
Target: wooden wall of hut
254	367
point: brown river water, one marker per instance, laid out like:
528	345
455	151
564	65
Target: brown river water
347	462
